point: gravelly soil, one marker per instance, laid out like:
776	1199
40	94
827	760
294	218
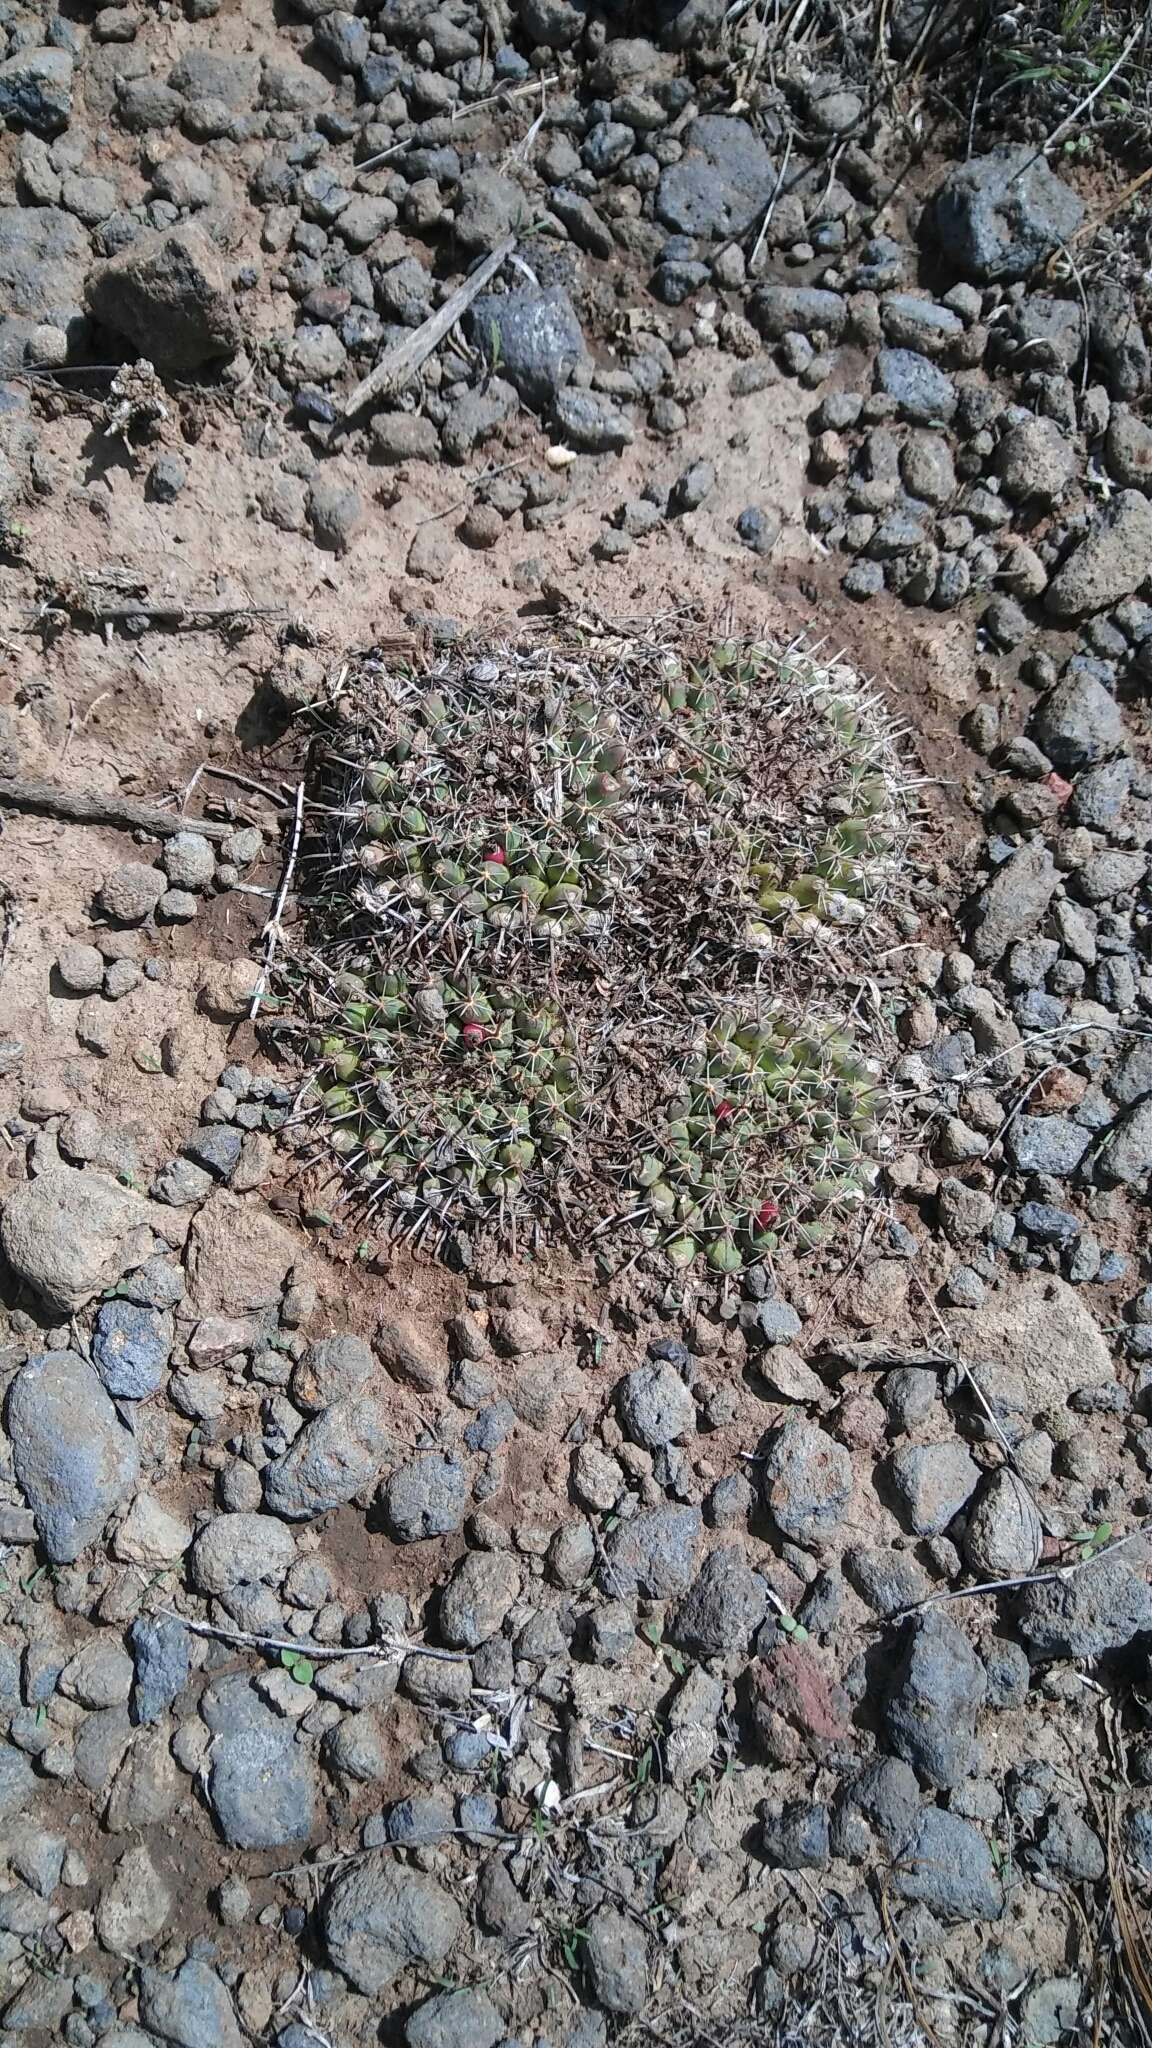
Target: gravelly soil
556	1651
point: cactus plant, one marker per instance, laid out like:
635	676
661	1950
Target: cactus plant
575	927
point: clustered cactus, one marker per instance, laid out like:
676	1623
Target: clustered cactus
445	1099
569	921
763	1135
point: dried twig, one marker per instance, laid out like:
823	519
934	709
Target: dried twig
1058	1572
392	1648
398	364
272	928
89	807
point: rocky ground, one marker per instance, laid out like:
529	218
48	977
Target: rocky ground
545	1650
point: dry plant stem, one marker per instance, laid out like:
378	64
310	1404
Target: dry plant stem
272	928
88	807
170	614
511	92
1062	1572
399	363
314	1652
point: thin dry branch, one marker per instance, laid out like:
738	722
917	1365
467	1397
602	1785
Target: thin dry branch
91	807
400	363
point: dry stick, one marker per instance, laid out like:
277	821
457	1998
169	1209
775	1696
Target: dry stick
86	807
174	614
397	364
391	1649
510	92
771	206
1061	1572
272	928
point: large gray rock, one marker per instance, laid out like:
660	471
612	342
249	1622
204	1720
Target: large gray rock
1014	903
652	1555
996	217
482	1589
1113	560
332	1369
948	1865
1118	342
616	1959
191	2008
1100	1607
1005	1535
379	1918
923	394
722	182
455	2019
933	1482
655	1406
531	336
43	251
70	1235
780	309
334	1457
168	294
35	90
930	1713
426	1497
723	1607
75	1461
137	1904
261	1783
1125	1154
589	422
1034	460
807	1482
1078	723
1033	1344
241	1550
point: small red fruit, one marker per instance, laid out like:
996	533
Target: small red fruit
497	857
724	1112
767	1214
473	1035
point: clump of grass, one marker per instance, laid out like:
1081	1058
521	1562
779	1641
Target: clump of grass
581	934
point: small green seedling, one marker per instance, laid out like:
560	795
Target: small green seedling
570	1940
1090	1542
298	1666
793	1629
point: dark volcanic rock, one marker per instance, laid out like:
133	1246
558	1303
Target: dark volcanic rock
75	1460
995	217
168	294
721	183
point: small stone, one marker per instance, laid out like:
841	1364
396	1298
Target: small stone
807	1482
336	513
933	1482
656	1407
74	1460
615	1958
131	1347
937	1691
188	860
81	969
130	894
948	1865
587	422
166	479
1099	1608
379	1918
426	1497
